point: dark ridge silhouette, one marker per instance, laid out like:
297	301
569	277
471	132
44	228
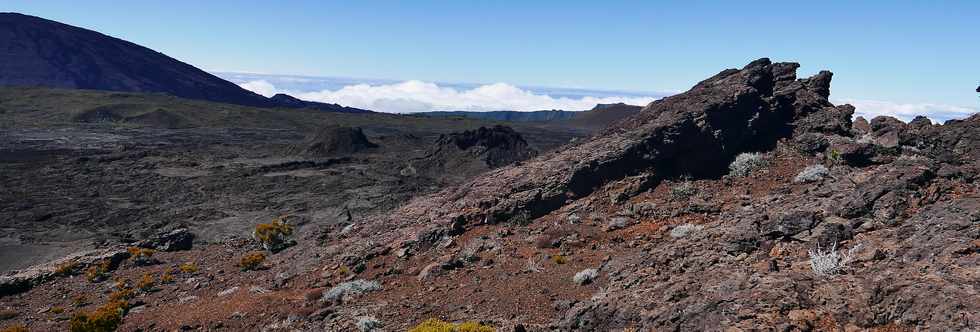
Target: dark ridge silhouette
45	53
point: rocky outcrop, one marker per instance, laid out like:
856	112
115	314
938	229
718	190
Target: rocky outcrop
464	154
496	146
747	267
23	280
695	133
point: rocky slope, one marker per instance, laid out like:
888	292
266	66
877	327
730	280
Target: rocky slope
749	202
284	100
40	52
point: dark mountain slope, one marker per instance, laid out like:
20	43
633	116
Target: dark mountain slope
40	52
284	100
603	115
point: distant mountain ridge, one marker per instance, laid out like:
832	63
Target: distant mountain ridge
40	52
512	116
284	100
599	116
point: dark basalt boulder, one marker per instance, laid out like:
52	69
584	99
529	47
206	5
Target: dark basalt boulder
887	131
860	126
175	240
832	121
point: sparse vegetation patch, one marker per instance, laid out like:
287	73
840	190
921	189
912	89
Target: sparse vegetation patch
274	236
830	262
747	163
252	261
683	230
99	271
66	269
683	189
15	328
142	256
812	173
368	324
188	267
438	325
585	276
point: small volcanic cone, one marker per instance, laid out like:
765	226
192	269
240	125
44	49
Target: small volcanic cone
333	141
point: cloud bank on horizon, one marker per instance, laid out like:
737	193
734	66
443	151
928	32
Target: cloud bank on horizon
906	112
416	96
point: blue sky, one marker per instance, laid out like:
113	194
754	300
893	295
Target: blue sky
896	52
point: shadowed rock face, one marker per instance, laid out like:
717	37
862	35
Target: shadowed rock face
496	146
468	153
39	52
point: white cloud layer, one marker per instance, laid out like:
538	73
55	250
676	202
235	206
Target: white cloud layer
906	112
418	96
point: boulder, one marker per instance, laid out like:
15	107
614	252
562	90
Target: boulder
178	239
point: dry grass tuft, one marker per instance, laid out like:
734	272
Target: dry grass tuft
189	267
274	236
99	272
252	261
438	325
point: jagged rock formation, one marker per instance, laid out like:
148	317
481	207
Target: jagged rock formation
467	153
695	133
334	141
496	146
